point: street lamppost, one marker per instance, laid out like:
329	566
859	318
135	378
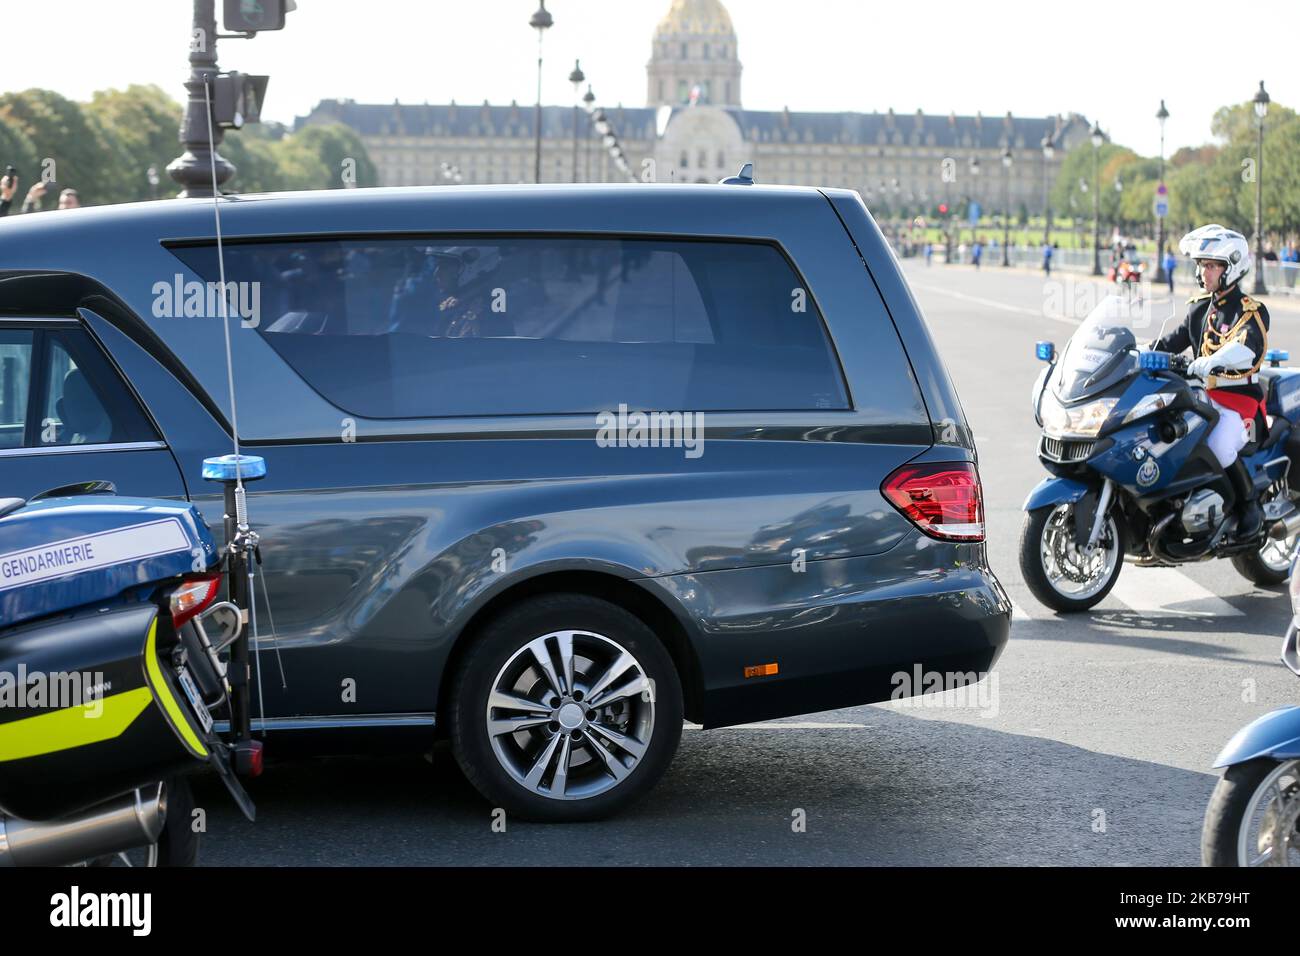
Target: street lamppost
541	21
576	78
1006	206
194	168
1161	276
1261	109
1097	139
1048	152
588	104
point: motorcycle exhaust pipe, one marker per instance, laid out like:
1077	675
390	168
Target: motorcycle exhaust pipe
131	821
1285	526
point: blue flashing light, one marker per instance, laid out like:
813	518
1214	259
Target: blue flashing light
230	467
1277	355
1045	351
1154	361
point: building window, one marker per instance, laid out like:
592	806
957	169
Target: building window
703	159
686	160
686	52
722	160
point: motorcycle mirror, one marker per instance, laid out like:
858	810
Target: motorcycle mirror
1045	351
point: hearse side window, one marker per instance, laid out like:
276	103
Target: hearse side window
414	328
15	381
58	388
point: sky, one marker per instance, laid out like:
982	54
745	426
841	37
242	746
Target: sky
1110	62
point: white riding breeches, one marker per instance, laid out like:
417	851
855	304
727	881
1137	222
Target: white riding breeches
1228	436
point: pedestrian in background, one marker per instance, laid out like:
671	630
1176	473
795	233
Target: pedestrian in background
1171	261
1047	258
1291	263
976	251
8	186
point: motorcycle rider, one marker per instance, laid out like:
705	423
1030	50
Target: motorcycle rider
1218	318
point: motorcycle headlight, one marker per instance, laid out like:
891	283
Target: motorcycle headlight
1082	421
1148	404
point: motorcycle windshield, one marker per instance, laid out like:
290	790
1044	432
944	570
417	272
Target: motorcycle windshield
1102	352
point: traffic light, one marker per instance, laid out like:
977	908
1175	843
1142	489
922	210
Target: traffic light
253	16
237	99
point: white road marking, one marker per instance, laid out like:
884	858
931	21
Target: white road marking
1167	592
1018	613
791	725
994	303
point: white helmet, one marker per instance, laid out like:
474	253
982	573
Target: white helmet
1221	244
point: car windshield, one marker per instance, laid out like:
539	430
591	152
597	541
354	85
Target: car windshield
1103	351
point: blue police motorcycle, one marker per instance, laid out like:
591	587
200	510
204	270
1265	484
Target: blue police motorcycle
117	662
1124	437
1254	812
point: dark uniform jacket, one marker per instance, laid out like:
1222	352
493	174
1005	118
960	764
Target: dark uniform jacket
1214	321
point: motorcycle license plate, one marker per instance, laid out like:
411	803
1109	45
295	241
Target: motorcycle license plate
196	702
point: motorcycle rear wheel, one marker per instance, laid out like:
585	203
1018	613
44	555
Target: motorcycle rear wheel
1270	565
178	845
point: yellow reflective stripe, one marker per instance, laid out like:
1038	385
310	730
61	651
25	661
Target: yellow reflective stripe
165	697
89	723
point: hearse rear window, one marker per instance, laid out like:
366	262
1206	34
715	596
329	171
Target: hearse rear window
412	328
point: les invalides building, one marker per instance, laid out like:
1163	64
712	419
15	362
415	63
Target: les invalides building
695	129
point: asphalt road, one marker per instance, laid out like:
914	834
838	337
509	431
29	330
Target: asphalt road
1090	745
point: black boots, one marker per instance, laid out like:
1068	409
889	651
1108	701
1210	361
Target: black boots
1249	517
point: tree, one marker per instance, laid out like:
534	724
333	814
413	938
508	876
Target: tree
17	150
145	121
1076	179
74	149
327	157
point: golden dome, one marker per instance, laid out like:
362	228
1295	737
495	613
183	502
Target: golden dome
696	17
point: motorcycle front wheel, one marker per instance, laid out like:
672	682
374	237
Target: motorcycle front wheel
1252	816
1058	573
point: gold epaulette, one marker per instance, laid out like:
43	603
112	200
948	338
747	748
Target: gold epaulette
1249	305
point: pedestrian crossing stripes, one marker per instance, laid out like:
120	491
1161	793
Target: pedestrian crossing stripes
1169	591
1156	592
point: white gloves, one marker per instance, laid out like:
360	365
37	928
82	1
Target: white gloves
1233	357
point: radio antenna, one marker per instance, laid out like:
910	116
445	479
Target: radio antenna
225	312
242	551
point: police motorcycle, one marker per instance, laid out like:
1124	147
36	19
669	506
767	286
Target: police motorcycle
116	659
1254	812
1124	437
